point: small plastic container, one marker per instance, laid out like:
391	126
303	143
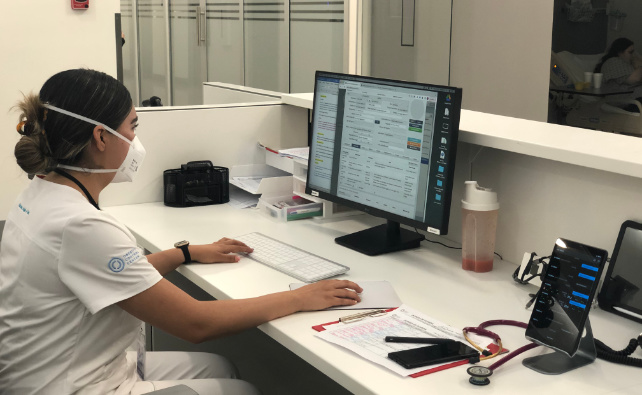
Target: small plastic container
479	225
289	208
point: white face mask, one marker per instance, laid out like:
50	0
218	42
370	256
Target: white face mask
133	161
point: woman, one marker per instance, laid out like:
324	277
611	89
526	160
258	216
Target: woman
74	287
621	68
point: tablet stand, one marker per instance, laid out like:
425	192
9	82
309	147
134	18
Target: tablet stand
558	362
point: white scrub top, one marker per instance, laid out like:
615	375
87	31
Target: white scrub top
63	266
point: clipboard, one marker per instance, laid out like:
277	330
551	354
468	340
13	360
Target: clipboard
322	327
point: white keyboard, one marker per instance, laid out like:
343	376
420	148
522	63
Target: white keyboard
290	260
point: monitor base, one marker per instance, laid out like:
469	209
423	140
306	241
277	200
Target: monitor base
558	362
381	239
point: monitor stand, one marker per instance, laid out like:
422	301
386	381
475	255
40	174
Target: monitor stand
558	362
381	239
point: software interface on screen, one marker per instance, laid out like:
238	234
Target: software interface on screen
374	144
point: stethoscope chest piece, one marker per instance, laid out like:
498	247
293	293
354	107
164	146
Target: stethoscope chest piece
479	375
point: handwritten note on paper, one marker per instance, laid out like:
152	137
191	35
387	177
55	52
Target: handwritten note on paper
366	337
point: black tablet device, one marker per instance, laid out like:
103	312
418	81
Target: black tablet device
564	300
620	293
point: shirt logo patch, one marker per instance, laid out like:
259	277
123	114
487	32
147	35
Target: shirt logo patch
24	209
116	265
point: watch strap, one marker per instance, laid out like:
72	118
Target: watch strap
186	254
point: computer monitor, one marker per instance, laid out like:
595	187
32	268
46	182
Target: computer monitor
620	293
386	148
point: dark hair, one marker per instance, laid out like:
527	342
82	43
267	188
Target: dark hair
617	47
49	137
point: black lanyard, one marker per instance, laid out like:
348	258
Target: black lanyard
72	178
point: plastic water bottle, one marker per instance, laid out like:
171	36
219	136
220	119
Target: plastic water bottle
479	225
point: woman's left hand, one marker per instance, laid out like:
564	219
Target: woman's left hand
222	251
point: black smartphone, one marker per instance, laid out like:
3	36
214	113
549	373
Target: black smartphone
564	300
431	355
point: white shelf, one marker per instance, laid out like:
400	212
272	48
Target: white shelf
274	181
270	95
304	100
280	162
583	147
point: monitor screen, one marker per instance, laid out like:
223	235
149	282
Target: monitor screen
565	297
623	281
386	148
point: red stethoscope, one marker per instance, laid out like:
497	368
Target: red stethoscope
479	374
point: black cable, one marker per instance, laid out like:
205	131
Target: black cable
454	248
440	243
633	344
528	269
622	357
523	280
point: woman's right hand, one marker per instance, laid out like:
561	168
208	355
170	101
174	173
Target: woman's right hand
328	293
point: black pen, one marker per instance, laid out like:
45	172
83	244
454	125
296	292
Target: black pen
424	340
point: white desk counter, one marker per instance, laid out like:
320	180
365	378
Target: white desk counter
429	279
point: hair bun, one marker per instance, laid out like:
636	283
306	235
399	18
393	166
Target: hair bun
32	151
30	155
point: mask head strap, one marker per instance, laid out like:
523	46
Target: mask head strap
73	115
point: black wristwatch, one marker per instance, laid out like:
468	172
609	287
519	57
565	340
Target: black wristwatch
183	245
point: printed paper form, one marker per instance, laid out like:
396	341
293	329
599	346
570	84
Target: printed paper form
366	337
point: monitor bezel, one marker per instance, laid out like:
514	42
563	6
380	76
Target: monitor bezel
606	302
450	173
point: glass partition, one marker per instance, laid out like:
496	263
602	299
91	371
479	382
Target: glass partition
224	42
316	41
130	58
187	43
266	44
593	80
173	46
153	50
407	40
